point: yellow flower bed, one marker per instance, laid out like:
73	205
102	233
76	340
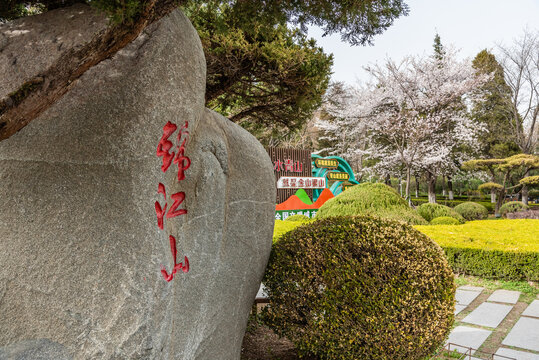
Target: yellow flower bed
520	235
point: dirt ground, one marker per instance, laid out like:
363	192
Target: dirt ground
261	343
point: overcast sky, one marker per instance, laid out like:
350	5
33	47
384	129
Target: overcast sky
470	25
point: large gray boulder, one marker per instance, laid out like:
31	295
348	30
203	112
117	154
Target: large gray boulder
80	247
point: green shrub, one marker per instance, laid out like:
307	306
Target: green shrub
444	220
300	218
430	211
512	206
453	203
472	211
359	288
373	199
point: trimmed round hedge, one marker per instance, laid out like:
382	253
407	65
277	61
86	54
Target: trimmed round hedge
431	211
359	288
512	206
374	199
301	218
472	211
444	220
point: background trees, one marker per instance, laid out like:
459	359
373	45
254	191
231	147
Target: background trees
521	69
505	168
414	115
267	77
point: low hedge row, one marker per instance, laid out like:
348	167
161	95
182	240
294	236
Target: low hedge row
453	203
494	264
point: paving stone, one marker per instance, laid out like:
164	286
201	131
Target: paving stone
532	309
504	296
465	297
519	355
488	314
261	294
525	334
459	308
471	288
466	337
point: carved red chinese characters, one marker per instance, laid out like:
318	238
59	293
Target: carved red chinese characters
183	162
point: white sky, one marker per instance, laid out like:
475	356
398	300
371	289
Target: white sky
469	25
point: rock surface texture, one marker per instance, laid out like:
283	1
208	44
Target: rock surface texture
80	247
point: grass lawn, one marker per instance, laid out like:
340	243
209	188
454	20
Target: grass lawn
504	235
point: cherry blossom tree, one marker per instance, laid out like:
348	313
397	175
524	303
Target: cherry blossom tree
413	114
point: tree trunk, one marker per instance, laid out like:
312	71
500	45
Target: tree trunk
450	188
400	185
493	192
499	203
408	197
444	191
417	186
431	183
525	190
388	180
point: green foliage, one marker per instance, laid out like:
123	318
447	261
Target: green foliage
444	220
488	186
531	181
472	211
300	218
513	206
360	288
264	76
373	199
431	211
495	249
453	203
358	21
494	111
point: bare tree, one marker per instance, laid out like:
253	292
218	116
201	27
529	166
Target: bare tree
520	62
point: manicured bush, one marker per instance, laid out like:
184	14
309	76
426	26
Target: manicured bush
430	211
373	199
444	220
359	288
495	249
472	211
300	218
453	203
513	206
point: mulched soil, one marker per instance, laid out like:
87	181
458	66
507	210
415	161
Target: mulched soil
261	343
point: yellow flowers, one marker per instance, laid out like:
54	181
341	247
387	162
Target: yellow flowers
505	235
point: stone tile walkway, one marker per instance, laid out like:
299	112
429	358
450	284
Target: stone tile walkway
487	320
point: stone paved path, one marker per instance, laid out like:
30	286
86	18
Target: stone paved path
481	317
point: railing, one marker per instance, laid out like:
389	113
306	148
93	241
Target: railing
455	351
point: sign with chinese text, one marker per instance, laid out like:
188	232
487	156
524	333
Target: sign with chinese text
294	182
326	163
339	176
283	215
290	163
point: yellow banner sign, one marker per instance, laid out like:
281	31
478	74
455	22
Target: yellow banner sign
340	176
326	163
